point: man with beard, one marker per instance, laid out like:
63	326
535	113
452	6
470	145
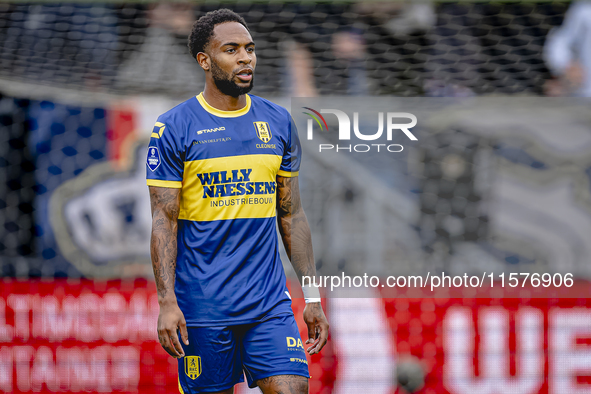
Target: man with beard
222	168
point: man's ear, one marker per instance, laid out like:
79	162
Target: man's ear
204	61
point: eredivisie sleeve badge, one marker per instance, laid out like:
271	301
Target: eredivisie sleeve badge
153	160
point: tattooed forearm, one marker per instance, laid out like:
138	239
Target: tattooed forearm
163	247
285	196
295	233
294	227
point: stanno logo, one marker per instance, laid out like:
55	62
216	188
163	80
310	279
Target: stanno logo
392	124
211	130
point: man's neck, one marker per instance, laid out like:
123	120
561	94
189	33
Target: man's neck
223	102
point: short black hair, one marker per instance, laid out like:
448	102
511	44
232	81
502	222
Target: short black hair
203	28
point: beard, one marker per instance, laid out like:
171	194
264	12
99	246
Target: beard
226	85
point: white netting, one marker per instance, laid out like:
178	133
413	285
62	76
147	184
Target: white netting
437	49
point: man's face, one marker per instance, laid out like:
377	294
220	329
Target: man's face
232	59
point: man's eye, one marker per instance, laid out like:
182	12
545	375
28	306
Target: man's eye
231	50
250	49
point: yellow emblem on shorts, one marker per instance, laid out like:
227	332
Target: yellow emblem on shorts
263	131
193	366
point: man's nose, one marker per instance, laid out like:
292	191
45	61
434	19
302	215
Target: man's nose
245	57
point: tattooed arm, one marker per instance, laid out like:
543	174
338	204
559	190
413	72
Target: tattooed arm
163	249
295	233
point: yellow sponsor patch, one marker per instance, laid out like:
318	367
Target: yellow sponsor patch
263	131
292	342
192	366
236	187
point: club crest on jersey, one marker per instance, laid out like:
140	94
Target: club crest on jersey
263	131
193	366
153	160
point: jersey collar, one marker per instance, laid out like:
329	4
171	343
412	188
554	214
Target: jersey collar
219	112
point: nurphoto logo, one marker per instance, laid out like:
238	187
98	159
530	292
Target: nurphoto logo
395	122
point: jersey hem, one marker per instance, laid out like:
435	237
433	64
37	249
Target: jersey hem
288	174
160	183
224	323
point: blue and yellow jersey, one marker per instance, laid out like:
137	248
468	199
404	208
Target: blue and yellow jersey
226	163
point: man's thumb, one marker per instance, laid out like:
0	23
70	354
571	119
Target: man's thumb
184	333
311	333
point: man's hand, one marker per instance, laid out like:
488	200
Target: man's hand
574	75
169	320
317	327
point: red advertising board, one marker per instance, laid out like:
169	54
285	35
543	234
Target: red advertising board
91	336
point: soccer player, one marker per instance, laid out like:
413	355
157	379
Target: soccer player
222	168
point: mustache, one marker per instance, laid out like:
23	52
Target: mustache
238	71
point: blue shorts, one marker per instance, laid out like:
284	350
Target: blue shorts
217	357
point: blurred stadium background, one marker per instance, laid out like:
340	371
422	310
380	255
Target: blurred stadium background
81	85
